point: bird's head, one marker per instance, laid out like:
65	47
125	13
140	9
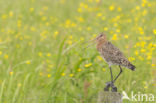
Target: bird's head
101	38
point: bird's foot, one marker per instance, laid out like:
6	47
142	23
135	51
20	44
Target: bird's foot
110	84
114	88
106	88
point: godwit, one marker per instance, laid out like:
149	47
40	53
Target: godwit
113	56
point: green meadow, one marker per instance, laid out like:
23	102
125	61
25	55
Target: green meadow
42	55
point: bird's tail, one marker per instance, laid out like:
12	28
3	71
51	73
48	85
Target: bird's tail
132	67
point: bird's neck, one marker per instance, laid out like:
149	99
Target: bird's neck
100	43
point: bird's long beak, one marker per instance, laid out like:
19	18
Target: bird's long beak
90	43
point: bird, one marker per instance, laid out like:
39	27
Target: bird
112	56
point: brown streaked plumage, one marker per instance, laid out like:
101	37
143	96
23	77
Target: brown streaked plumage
113	56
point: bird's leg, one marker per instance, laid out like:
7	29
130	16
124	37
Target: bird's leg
109	84
118	74
114	89
111	74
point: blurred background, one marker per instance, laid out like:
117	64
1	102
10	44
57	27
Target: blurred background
42	59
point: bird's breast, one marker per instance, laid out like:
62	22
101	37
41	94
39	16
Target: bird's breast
99	47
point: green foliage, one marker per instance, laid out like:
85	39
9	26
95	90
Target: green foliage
42	55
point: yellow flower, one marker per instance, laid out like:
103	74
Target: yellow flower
21	38
99	58
81	38
153	65
17	46
90	1
136	53
11	73
33	29
142	44
149	5
131	59
40	73
2	30
137	7
62	1
70	42
89	28
141	32
99	14
111	8
103	18
19	85
48	61
141	58
56	33
144	82
154	31
115	37
115	24
48	54
104	69
28	62
79	10
63	74
40	54
126	46
79	70
94	36
80	19
143	50
73	25
143	4
40	13
144	12
126	36
85	6
4	16
49	75
6	56
50	65
31	9
44	18
30	43
80	29
70	37
0	52
88	65
119	9
19	23
105	28
10	13
47	23
97	1
45	8
118	30
71	75
149	57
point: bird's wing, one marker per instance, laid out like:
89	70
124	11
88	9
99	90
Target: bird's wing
113	55
114	51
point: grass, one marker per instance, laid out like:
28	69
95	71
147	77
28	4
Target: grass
42	59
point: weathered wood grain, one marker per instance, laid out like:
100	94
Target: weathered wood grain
109	97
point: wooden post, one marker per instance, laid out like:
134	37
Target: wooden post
109	97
